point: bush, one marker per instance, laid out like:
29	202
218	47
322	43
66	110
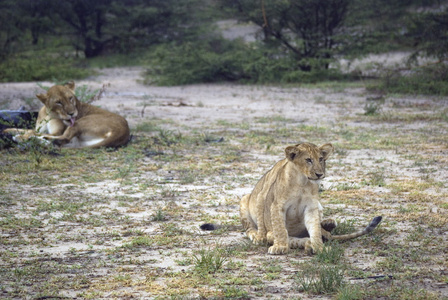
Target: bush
221	60
40	68
429	80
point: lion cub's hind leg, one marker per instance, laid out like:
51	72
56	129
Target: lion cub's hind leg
248	224
301	243
294	242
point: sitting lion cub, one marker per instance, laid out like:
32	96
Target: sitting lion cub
67	122
284	209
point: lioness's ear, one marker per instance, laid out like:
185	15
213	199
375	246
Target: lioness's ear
291	152
326	150
42	97
71	85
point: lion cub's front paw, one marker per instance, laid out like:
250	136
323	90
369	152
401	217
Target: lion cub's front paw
255	237
258	240
313	248
278	249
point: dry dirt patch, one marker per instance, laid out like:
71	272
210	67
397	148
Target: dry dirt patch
122	224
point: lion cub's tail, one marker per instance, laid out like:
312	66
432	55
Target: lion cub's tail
366	230
210	227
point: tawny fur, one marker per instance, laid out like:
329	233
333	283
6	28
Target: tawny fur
284	210
67	122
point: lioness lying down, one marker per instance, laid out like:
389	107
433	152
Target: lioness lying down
284	209
67	122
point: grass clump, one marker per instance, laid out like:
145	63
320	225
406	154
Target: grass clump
372	108
158	216
208	261
331	254
320	278
324	273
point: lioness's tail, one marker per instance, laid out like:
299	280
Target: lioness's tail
366	230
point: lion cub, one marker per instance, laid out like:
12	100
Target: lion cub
284	209
67	122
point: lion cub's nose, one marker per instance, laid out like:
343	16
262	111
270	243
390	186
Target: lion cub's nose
319	175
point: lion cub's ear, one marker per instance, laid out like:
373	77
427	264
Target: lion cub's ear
291	152
43	98
326	150
70	85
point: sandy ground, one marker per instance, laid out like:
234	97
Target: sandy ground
338	111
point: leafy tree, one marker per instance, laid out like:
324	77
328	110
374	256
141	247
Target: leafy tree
307	29
11	28
18	17
123	25
378	26
429	31
36	17
88	19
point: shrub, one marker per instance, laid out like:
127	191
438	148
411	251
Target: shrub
39	68
222	60
428	80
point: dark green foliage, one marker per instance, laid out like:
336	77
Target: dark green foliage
427	80
300	40
429	32
99	27
38	67
25	23
222	60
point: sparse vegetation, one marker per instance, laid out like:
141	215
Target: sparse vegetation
99	223
207	261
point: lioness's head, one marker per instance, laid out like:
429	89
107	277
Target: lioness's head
310	158
60	101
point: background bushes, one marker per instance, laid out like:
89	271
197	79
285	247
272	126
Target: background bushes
179	42
427	80
38	68
222	60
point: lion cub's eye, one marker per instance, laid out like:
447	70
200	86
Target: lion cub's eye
321	159
58	103
309	160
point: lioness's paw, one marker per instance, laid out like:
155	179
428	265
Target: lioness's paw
277	249
43	141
